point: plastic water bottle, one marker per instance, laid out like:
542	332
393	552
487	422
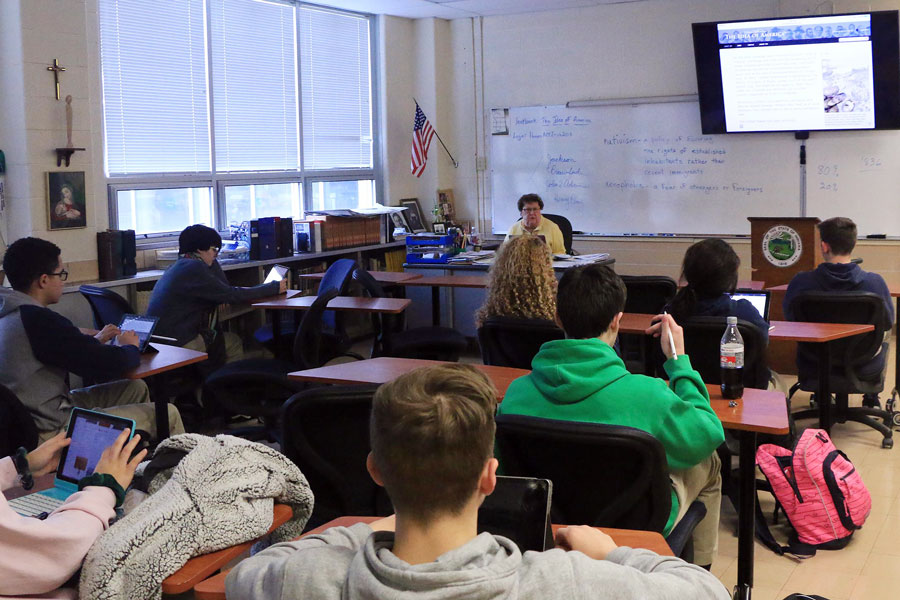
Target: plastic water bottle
731	361
476	241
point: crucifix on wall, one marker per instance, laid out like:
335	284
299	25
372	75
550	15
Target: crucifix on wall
56	71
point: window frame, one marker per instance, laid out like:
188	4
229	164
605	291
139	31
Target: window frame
217	181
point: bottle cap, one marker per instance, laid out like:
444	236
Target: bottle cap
731	320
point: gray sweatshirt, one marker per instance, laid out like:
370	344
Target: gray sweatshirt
355	564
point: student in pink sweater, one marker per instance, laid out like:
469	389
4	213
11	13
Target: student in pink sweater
36	556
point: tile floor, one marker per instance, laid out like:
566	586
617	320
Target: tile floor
869	567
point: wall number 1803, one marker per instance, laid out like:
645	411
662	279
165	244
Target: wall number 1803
828	187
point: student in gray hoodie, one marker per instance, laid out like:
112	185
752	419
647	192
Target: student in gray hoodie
432	435
39	348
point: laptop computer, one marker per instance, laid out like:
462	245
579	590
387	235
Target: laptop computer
758	298
91	432
519	509
143	327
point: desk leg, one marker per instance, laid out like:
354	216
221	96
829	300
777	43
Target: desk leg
823	392
746	516
276	332
160	401
436	305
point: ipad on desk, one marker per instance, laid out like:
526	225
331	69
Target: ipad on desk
143	327
519	509
277	273
91	432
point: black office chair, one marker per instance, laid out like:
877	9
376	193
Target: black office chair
17	428
325	432
431	343
646	294
258	387
854	367
603	475
107	307
513	342
702	337
565	226
337	277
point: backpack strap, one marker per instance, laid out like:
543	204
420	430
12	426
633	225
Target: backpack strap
794	548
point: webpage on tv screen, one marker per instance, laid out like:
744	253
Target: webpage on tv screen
798	85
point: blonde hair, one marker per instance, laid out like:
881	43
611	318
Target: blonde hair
432	431
521	283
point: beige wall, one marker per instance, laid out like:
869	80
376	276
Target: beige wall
457	70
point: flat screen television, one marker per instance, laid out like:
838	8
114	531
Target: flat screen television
818	72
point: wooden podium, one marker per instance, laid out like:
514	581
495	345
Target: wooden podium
781	247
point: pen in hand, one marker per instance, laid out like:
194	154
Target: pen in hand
671	339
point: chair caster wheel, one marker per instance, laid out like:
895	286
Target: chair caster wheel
895	418
887	443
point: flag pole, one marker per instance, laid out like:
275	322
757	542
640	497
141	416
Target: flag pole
455	163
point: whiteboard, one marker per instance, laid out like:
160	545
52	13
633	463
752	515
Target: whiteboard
640	169
857	175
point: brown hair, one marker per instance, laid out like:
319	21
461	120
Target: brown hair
521	282
529	198
432	431
840	234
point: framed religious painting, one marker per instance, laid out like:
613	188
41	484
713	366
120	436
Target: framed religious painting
66	200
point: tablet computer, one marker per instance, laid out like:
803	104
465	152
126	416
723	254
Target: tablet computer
143	327
277	273
91	433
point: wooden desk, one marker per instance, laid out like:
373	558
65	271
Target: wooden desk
742	284
450	281
384	369
341	303
214	587
386	277
198	568
167	359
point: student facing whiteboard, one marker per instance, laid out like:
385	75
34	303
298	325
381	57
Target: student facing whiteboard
530	206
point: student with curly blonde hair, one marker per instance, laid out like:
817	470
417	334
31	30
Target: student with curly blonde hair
522	283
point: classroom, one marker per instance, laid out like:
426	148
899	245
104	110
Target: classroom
466	64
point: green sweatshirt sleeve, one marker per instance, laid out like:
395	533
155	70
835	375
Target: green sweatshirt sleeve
692	430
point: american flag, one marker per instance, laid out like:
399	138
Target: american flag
422	134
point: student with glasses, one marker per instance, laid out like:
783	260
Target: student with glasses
41	347
530	207
188	295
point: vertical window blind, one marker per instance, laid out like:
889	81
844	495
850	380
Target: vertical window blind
254	77
335	79
153	64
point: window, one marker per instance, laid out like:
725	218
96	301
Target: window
220	111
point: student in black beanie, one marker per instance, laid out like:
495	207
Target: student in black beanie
188	295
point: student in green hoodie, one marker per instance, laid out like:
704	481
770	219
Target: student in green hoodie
582	379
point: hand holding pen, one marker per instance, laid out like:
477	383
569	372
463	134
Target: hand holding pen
670	334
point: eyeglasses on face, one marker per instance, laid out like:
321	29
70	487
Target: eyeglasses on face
531	210
63	275
215	249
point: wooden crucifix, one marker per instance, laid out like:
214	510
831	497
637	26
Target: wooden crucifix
56	71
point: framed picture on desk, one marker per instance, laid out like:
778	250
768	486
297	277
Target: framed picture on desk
414	215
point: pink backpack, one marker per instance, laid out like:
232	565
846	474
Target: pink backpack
819	490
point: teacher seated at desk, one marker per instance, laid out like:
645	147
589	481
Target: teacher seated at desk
530	207
187	297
